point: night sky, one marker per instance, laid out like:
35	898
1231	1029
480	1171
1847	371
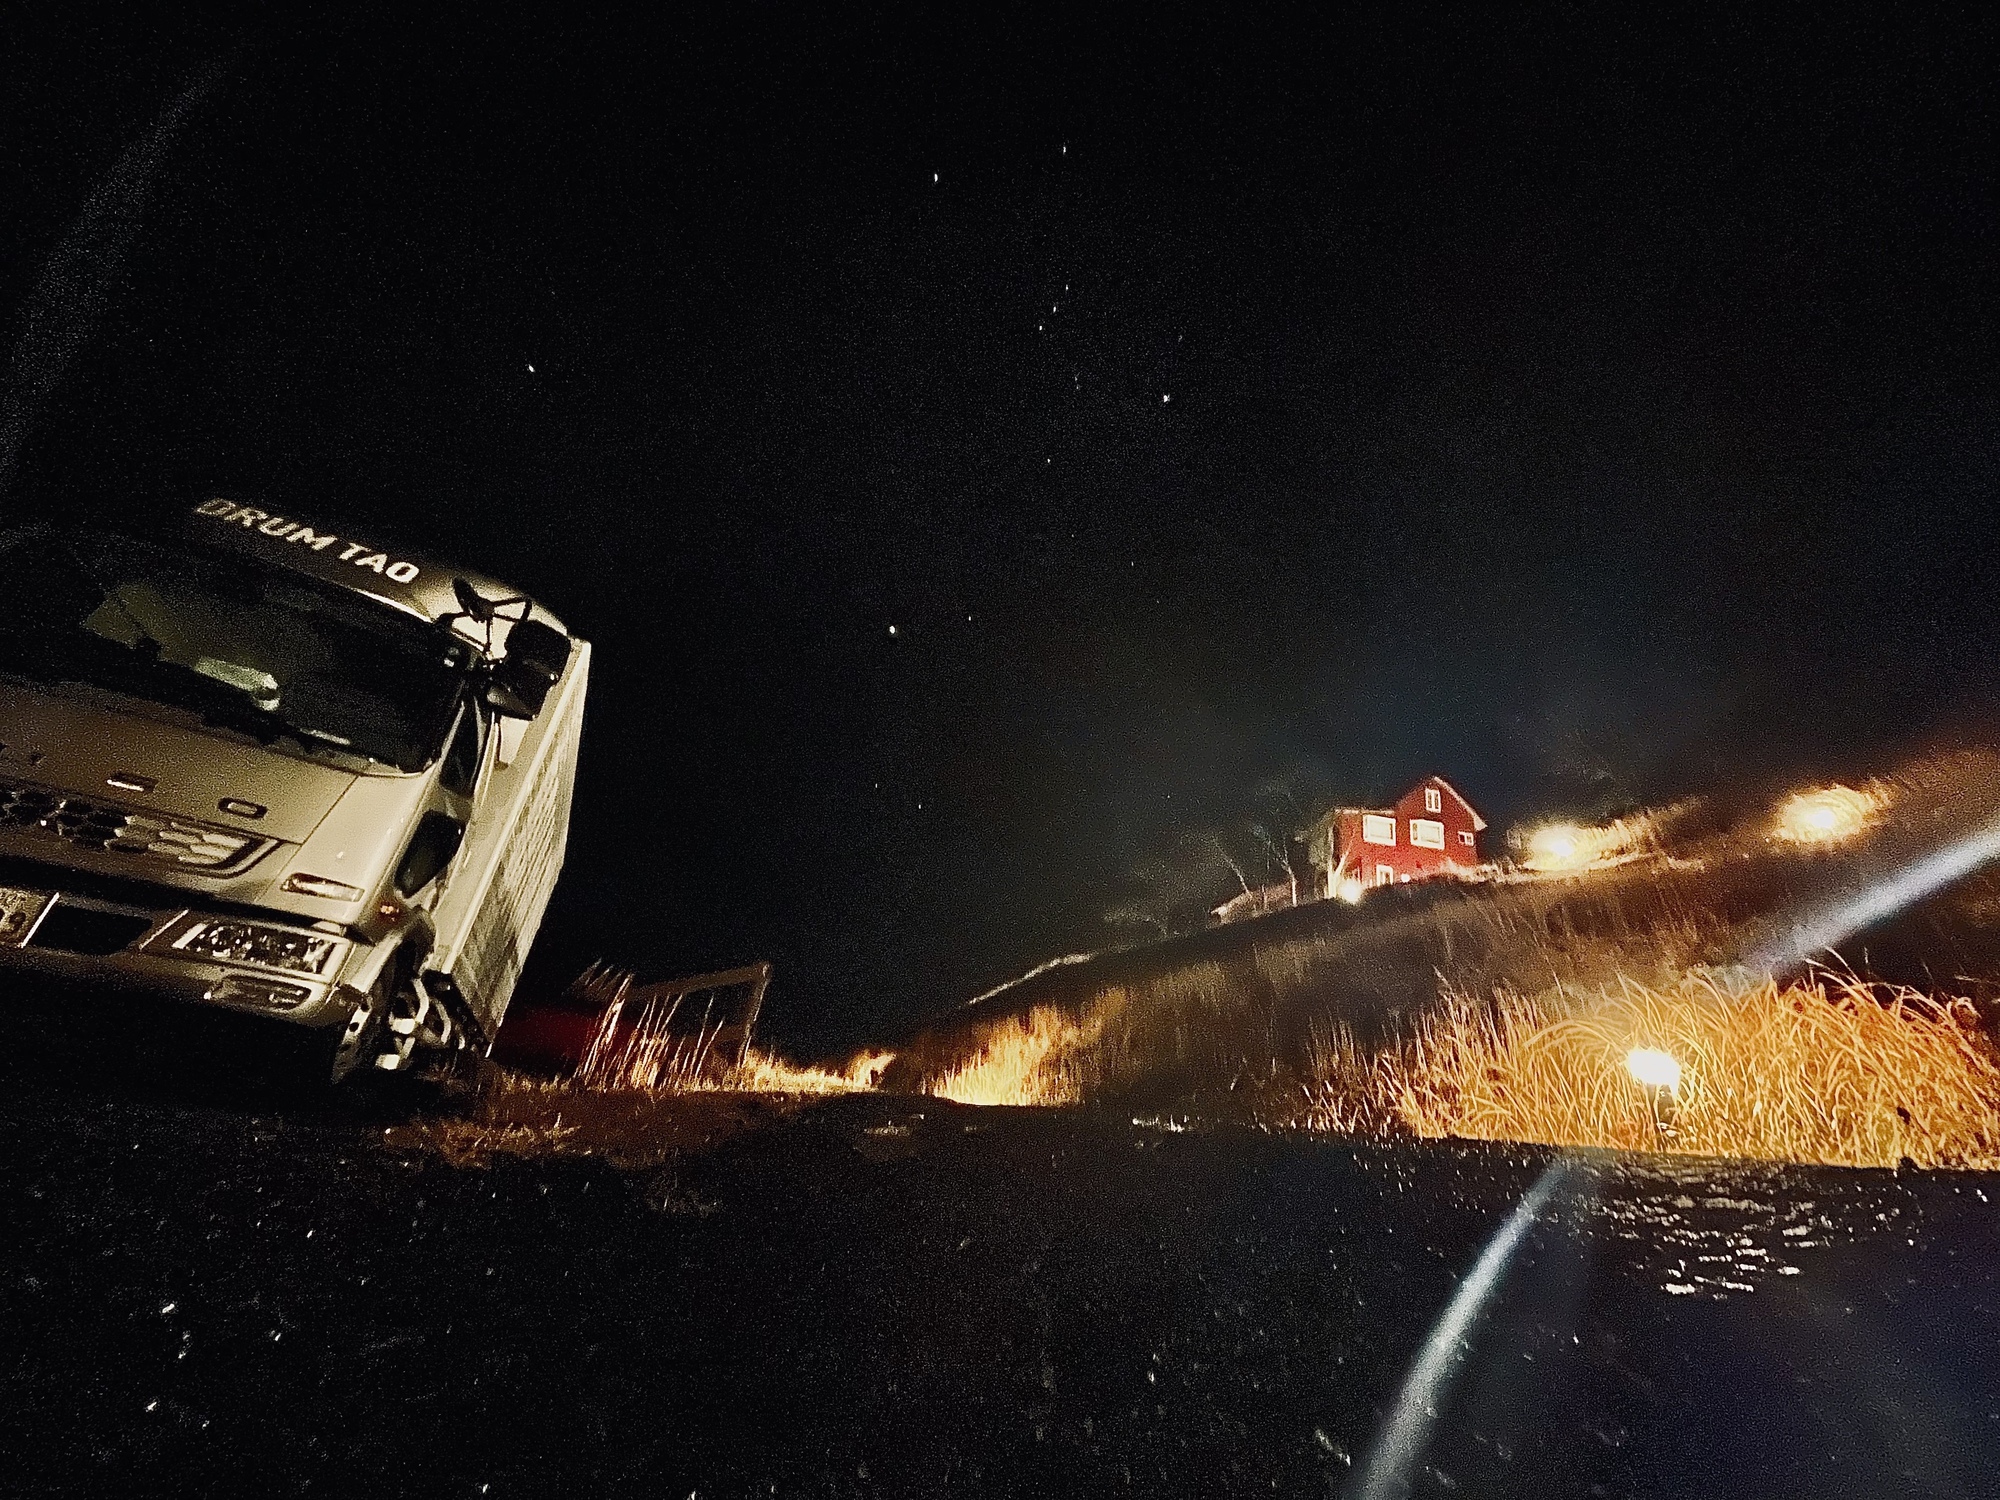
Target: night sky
984	448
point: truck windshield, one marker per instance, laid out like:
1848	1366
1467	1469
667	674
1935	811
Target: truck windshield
261	651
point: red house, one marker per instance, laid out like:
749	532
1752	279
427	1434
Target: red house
1431	831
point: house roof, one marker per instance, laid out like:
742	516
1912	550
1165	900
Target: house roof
1327	817
1478	823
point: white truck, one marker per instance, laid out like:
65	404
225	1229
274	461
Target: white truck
254	764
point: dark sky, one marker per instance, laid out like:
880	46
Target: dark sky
1582	409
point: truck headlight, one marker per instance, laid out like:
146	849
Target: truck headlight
265	947
321	885
255	989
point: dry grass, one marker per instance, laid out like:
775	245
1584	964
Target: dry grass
766	1073
664	1066
653	1108
1831	1070
652	1048
1211	1035
1224	1021
1023	1060
1167	1038
519	1116
648	1055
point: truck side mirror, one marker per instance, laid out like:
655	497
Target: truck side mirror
535	659
431	848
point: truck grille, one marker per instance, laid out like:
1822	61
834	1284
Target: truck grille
90	824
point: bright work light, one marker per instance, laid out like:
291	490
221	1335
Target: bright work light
1826	815
1654	1068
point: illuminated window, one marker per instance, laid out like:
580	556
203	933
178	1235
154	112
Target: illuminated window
1433	799
1377	829
1426	833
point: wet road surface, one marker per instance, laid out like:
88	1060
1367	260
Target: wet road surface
900	1297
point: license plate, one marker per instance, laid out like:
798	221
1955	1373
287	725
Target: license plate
19	911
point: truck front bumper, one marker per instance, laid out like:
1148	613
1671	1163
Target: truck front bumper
244	963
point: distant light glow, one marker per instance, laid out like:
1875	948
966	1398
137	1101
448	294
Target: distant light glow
1560	846
1826	815
1352	890
1654	1068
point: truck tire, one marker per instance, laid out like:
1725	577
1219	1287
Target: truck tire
356	1044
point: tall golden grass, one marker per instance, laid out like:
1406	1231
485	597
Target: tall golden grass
642	1050
1171	1037
647	1055
1031	1059
763	1072
1831	1070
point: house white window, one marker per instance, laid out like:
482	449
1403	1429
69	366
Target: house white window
1433	799
1377	829
1385	874
1426	833
1465	837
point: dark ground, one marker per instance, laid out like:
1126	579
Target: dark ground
894	1296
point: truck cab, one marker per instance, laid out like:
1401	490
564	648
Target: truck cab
250	763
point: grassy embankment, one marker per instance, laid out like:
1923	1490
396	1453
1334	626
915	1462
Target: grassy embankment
1507	1010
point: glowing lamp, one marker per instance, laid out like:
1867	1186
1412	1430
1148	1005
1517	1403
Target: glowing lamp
1826	815
1352	890
1560	846
1654	1068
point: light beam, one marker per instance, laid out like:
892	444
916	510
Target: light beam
1824	928
1401	1444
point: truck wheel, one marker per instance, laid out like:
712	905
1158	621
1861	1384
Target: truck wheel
357	1043
422	1033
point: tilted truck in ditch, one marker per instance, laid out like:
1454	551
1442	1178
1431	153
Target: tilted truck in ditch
251	764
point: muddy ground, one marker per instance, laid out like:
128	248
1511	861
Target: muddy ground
208	1294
